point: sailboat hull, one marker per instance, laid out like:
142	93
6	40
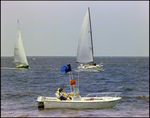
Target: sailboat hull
22	66
91	68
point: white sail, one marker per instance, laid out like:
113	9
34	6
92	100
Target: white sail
19	53
85	46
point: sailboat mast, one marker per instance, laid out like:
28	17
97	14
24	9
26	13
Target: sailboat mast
91	33
18	24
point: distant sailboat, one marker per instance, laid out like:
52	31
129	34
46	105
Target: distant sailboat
85	47
19	53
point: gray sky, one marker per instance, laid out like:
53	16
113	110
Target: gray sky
120	28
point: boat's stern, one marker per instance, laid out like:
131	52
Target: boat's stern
41	100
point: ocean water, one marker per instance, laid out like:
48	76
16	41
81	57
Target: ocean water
21	87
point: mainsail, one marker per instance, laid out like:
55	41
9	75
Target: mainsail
85	44
19	53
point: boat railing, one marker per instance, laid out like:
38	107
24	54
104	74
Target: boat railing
111	94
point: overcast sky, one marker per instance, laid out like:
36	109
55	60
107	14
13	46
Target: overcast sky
120	28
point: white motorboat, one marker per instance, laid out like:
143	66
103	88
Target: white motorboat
85	53
100	100
78	102
19	53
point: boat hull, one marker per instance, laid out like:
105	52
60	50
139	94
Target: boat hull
22	66
84	103
90	68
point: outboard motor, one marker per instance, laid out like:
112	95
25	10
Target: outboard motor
40	101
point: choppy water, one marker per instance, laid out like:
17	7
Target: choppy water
21	87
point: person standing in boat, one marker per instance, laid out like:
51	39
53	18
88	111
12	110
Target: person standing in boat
63	96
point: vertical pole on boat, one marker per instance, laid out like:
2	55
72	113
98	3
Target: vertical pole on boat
70	85
72	78
91	33
78	80
18	24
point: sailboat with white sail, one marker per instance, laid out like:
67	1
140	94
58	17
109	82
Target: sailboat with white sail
85	53
19	53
